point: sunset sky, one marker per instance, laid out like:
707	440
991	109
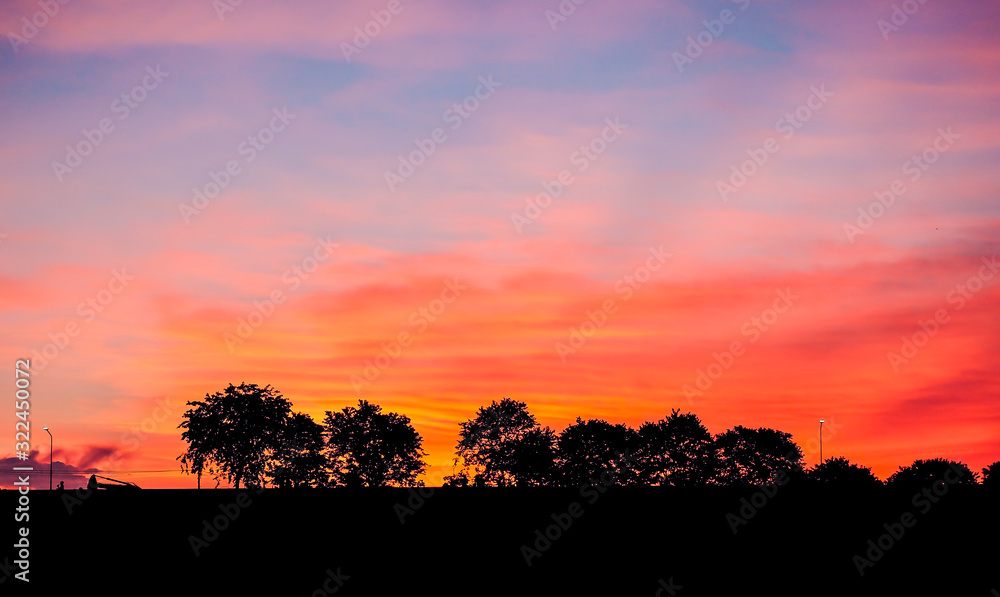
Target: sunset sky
168	167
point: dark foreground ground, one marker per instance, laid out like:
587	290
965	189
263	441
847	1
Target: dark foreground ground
801	541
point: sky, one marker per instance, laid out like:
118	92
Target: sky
766	213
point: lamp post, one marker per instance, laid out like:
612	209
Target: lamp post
50	456
821	441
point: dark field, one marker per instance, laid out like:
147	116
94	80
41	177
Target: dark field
802	541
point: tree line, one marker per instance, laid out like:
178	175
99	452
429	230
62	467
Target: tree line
248	435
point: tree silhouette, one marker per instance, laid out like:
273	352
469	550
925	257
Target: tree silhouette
503	445
299	462
368	448
456	479
234	433
533	458
840	472
756	456
925	473
676	451
587	448
991	475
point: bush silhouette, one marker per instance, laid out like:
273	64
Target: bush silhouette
756	456
299	461
925	473
587	448
234	434
842	473
991	475
503	445
248	435
677	450
368	448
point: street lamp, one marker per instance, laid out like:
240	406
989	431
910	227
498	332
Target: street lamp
50	456
821	441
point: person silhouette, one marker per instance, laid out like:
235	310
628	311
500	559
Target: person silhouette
92	483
